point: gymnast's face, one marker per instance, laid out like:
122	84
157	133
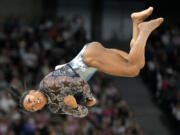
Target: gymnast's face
34	101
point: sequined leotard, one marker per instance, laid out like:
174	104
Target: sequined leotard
68	79
80	67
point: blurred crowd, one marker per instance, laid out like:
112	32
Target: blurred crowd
162	71
29	51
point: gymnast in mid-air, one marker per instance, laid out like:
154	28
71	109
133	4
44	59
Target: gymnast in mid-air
66	91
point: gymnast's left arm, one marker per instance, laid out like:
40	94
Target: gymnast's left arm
75	84
80	112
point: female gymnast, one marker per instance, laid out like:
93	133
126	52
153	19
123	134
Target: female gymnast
62	88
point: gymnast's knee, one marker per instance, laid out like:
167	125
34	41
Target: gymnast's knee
142	64
134	71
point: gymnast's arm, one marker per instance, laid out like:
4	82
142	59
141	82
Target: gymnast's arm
72	83
80	111
110	61
75	84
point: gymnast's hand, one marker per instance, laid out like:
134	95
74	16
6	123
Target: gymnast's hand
71	101
76	90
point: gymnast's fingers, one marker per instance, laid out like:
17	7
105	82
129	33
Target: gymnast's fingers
91	102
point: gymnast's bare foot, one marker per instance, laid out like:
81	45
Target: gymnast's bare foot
139	17
148	27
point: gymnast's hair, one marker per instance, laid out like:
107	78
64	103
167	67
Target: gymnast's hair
18	97
21	99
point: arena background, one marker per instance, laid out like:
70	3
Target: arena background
36	35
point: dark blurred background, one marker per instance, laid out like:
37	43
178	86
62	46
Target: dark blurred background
37	35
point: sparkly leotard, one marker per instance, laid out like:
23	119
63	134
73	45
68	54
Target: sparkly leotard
79	66
68	79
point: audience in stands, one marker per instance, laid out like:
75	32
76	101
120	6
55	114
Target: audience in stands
30	50
162	71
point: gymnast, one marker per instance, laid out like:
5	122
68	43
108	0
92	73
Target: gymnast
66	91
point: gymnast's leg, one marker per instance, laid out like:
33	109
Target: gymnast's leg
137	18
111	62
